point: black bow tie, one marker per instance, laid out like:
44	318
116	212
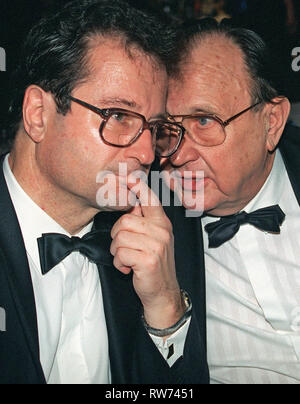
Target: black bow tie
55	247
268	219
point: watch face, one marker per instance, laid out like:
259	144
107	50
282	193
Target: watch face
186	299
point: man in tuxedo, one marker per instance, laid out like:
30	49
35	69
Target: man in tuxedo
225	97
92	299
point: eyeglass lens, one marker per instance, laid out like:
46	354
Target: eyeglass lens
121	128
205	130
168	137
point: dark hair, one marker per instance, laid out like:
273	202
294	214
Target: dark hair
55	51
258	60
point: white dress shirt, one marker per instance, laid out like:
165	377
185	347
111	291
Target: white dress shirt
70	313
253	295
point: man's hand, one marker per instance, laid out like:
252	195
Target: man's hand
143	242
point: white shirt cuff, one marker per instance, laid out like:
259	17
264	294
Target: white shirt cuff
172	348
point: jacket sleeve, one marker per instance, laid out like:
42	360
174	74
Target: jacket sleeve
149	367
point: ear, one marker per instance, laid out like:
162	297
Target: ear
278	114
35	112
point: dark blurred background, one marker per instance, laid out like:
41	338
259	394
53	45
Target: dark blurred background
278	21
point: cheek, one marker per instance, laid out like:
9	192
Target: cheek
224	167
61	161
73	157
238	162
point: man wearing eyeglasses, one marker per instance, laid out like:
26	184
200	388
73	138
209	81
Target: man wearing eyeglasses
233	117
89	95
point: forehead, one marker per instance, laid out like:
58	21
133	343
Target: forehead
213	74
116	72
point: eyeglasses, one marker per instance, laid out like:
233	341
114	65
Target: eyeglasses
121	128
204	129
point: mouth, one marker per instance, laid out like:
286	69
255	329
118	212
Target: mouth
193	184
190	182
132	177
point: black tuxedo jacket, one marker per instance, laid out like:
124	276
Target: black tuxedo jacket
134	357
290	150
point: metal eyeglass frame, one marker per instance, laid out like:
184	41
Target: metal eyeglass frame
224	124
106	114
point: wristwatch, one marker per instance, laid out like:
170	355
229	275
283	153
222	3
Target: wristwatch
171	330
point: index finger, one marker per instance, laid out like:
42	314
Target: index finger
149	201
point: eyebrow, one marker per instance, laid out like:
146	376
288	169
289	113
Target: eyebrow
204	110
121	102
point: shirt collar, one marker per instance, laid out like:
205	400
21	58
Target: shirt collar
270	193
32	219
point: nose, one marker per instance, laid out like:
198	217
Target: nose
143	149
186	153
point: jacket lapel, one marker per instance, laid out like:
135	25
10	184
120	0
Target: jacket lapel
121	304
190	262
18	273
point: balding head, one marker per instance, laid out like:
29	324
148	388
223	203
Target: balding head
263	77
232	114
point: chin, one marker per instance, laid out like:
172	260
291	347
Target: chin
113	209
